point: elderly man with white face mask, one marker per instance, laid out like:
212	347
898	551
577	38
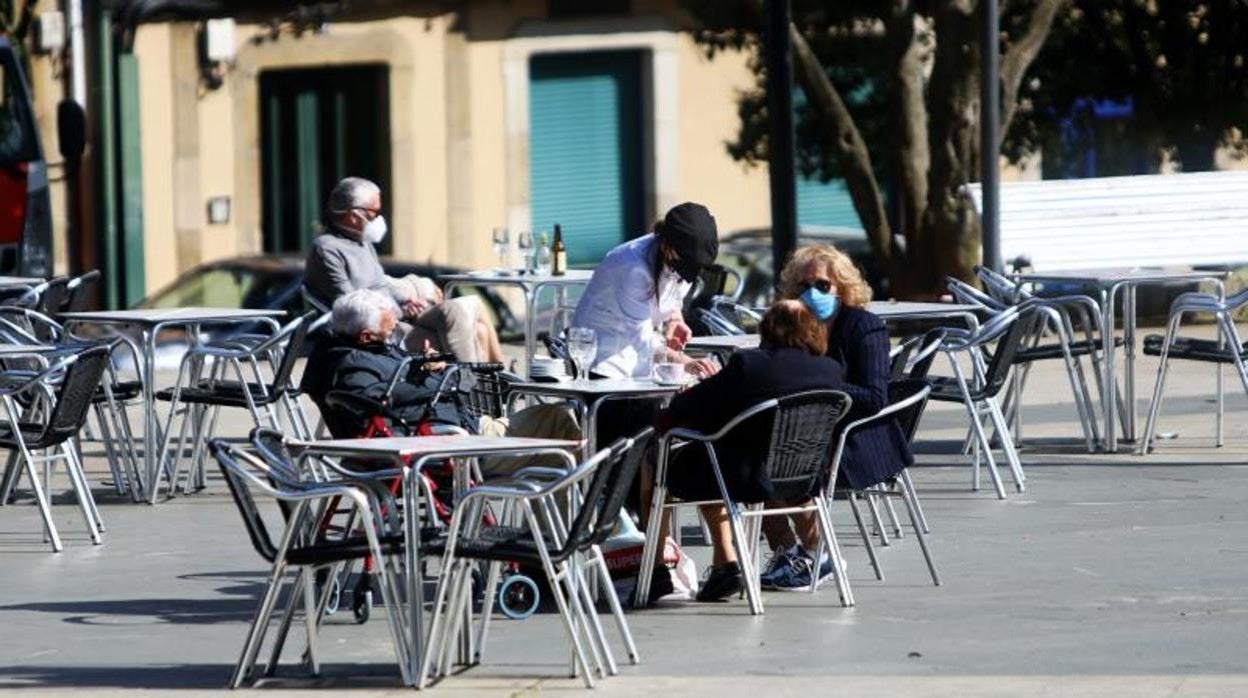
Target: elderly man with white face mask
343	259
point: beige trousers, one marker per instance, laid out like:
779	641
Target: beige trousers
450	326
555	421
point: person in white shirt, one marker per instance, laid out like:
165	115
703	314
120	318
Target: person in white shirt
633	301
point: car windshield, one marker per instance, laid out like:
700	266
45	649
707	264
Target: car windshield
220	288
17	135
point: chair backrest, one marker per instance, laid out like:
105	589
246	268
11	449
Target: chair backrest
55	294
899	357
717	324
270	446
298	332
603	497
908	418
998	370
239	480
998	286
965	293
79	290
619	482
313	300
802	436
923	358
73	396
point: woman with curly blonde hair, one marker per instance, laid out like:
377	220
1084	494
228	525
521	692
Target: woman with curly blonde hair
827	282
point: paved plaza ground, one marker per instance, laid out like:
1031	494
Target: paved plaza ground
1110	575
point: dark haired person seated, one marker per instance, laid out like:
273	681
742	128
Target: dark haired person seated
360	359
790	360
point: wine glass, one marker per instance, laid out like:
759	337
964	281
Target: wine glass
524	242
502	245
582	348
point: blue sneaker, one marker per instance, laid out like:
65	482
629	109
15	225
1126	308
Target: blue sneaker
796	575
778	566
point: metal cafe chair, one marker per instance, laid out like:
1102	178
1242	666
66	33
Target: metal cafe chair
199	399
907	401
568	554
58	399
110	402
1079	313
978	392
1227	349
246	474
799	442
1041	316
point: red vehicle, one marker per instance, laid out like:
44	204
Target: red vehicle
25	207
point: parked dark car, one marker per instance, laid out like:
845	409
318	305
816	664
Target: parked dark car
749	253
272	282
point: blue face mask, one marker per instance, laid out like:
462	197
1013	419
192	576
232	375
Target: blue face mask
823	305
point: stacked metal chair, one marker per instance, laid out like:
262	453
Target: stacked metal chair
1041	317
1226	349
45	412
214	376
978	393
298	547
536	534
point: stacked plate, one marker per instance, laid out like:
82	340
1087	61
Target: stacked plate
548	368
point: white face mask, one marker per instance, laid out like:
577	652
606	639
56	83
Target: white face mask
375	230
669	283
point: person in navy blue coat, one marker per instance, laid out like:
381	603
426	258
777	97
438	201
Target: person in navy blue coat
826	281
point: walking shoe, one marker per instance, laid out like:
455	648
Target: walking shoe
796	576
721	582
778	566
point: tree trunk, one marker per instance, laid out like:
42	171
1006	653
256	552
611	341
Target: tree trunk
947	241
911	158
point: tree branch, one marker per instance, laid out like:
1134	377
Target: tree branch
1019	57
852	153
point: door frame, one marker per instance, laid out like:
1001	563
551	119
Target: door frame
374	46
659	44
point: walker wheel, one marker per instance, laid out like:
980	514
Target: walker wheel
518	597
362	600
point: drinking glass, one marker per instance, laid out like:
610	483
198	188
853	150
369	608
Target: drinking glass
582	348
524	242
502	245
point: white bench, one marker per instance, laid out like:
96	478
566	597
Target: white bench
1197	219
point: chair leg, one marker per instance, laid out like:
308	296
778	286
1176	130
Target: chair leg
984	445
309	617
110	449
909	500
1159	387
608	590
12	470
1007	445
914	496
41	497
487	607
749	570
259	625
866	538
892	512
650	551
880	528
82	490
824	522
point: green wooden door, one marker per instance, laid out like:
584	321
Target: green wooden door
585	149
318	126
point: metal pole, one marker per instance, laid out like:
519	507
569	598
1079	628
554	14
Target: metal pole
780	145
990	135
106	147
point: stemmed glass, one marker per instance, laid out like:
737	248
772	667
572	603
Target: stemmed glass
582	348
524	242
502	245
